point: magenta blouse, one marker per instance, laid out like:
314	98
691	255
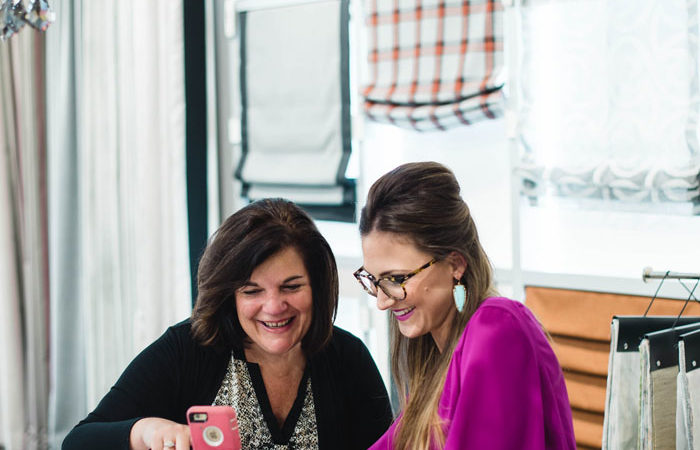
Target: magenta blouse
504	387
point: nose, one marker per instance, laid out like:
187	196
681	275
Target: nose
275	304
384	302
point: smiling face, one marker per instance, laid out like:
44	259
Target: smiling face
275	305
429	305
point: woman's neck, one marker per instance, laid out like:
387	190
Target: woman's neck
442	333
277	364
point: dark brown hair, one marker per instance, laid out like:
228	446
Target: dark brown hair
421	202
244	241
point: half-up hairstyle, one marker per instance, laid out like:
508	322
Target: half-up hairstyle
244	241
421	202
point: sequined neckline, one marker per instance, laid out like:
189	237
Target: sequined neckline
244	389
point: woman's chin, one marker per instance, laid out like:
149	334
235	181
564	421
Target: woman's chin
410	331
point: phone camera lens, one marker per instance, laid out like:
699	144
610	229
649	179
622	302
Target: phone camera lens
213	436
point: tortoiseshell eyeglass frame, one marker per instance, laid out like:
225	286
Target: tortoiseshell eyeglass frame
397	280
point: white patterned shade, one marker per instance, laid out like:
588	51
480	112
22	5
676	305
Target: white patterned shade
609	99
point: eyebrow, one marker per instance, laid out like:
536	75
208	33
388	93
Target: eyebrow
384	274
392	273
286	280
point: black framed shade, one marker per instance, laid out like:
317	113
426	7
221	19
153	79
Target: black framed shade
295	107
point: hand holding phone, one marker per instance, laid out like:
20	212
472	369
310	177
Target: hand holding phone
213	427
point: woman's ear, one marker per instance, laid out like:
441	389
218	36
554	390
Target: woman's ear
458	264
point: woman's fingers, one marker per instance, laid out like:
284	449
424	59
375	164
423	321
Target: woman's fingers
156	433
183	438
171	436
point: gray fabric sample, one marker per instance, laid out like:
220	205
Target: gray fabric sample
621	420
688	409
663	408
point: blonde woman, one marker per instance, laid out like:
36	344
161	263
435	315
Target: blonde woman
473	371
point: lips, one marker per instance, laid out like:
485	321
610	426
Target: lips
404	313
275	325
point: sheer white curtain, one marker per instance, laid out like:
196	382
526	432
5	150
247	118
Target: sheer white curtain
23	246
118	218
610	99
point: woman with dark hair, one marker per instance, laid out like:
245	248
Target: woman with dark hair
473	371
261	339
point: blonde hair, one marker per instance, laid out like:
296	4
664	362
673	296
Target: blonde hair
421	202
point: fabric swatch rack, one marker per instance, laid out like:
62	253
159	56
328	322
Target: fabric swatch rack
653	383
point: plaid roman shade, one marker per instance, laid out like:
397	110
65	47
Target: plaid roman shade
434	64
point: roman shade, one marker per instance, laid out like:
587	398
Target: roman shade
295	98
433	65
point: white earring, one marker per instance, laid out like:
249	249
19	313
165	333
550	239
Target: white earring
459	292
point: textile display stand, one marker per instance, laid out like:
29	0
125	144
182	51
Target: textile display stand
643	394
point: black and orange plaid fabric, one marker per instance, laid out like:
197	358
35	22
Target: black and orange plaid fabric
434	64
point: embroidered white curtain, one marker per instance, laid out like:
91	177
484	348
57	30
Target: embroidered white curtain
609	99
118	218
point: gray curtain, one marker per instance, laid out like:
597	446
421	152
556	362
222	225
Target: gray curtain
24	352
118	211
68	401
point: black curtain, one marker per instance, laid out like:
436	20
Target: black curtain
196	132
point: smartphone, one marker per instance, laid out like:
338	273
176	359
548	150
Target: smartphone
213	427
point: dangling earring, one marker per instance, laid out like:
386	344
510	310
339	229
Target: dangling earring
459	292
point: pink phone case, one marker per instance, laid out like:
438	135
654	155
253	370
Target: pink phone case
213	427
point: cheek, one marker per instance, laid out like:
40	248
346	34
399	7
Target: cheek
417	292
245	310
303	302
307	317
435	290
305	307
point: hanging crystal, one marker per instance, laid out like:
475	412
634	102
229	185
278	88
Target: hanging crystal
39	14
12	14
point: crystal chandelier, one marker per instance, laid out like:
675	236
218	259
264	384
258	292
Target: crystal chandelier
14	15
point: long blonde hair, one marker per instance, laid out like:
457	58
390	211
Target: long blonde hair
421	201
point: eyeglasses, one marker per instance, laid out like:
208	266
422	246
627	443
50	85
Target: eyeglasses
393	285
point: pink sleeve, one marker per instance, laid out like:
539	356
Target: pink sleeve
498	388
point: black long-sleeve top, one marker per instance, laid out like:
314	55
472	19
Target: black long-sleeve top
175	372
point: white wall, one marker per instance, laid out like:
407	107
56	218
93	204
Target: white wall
598	247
